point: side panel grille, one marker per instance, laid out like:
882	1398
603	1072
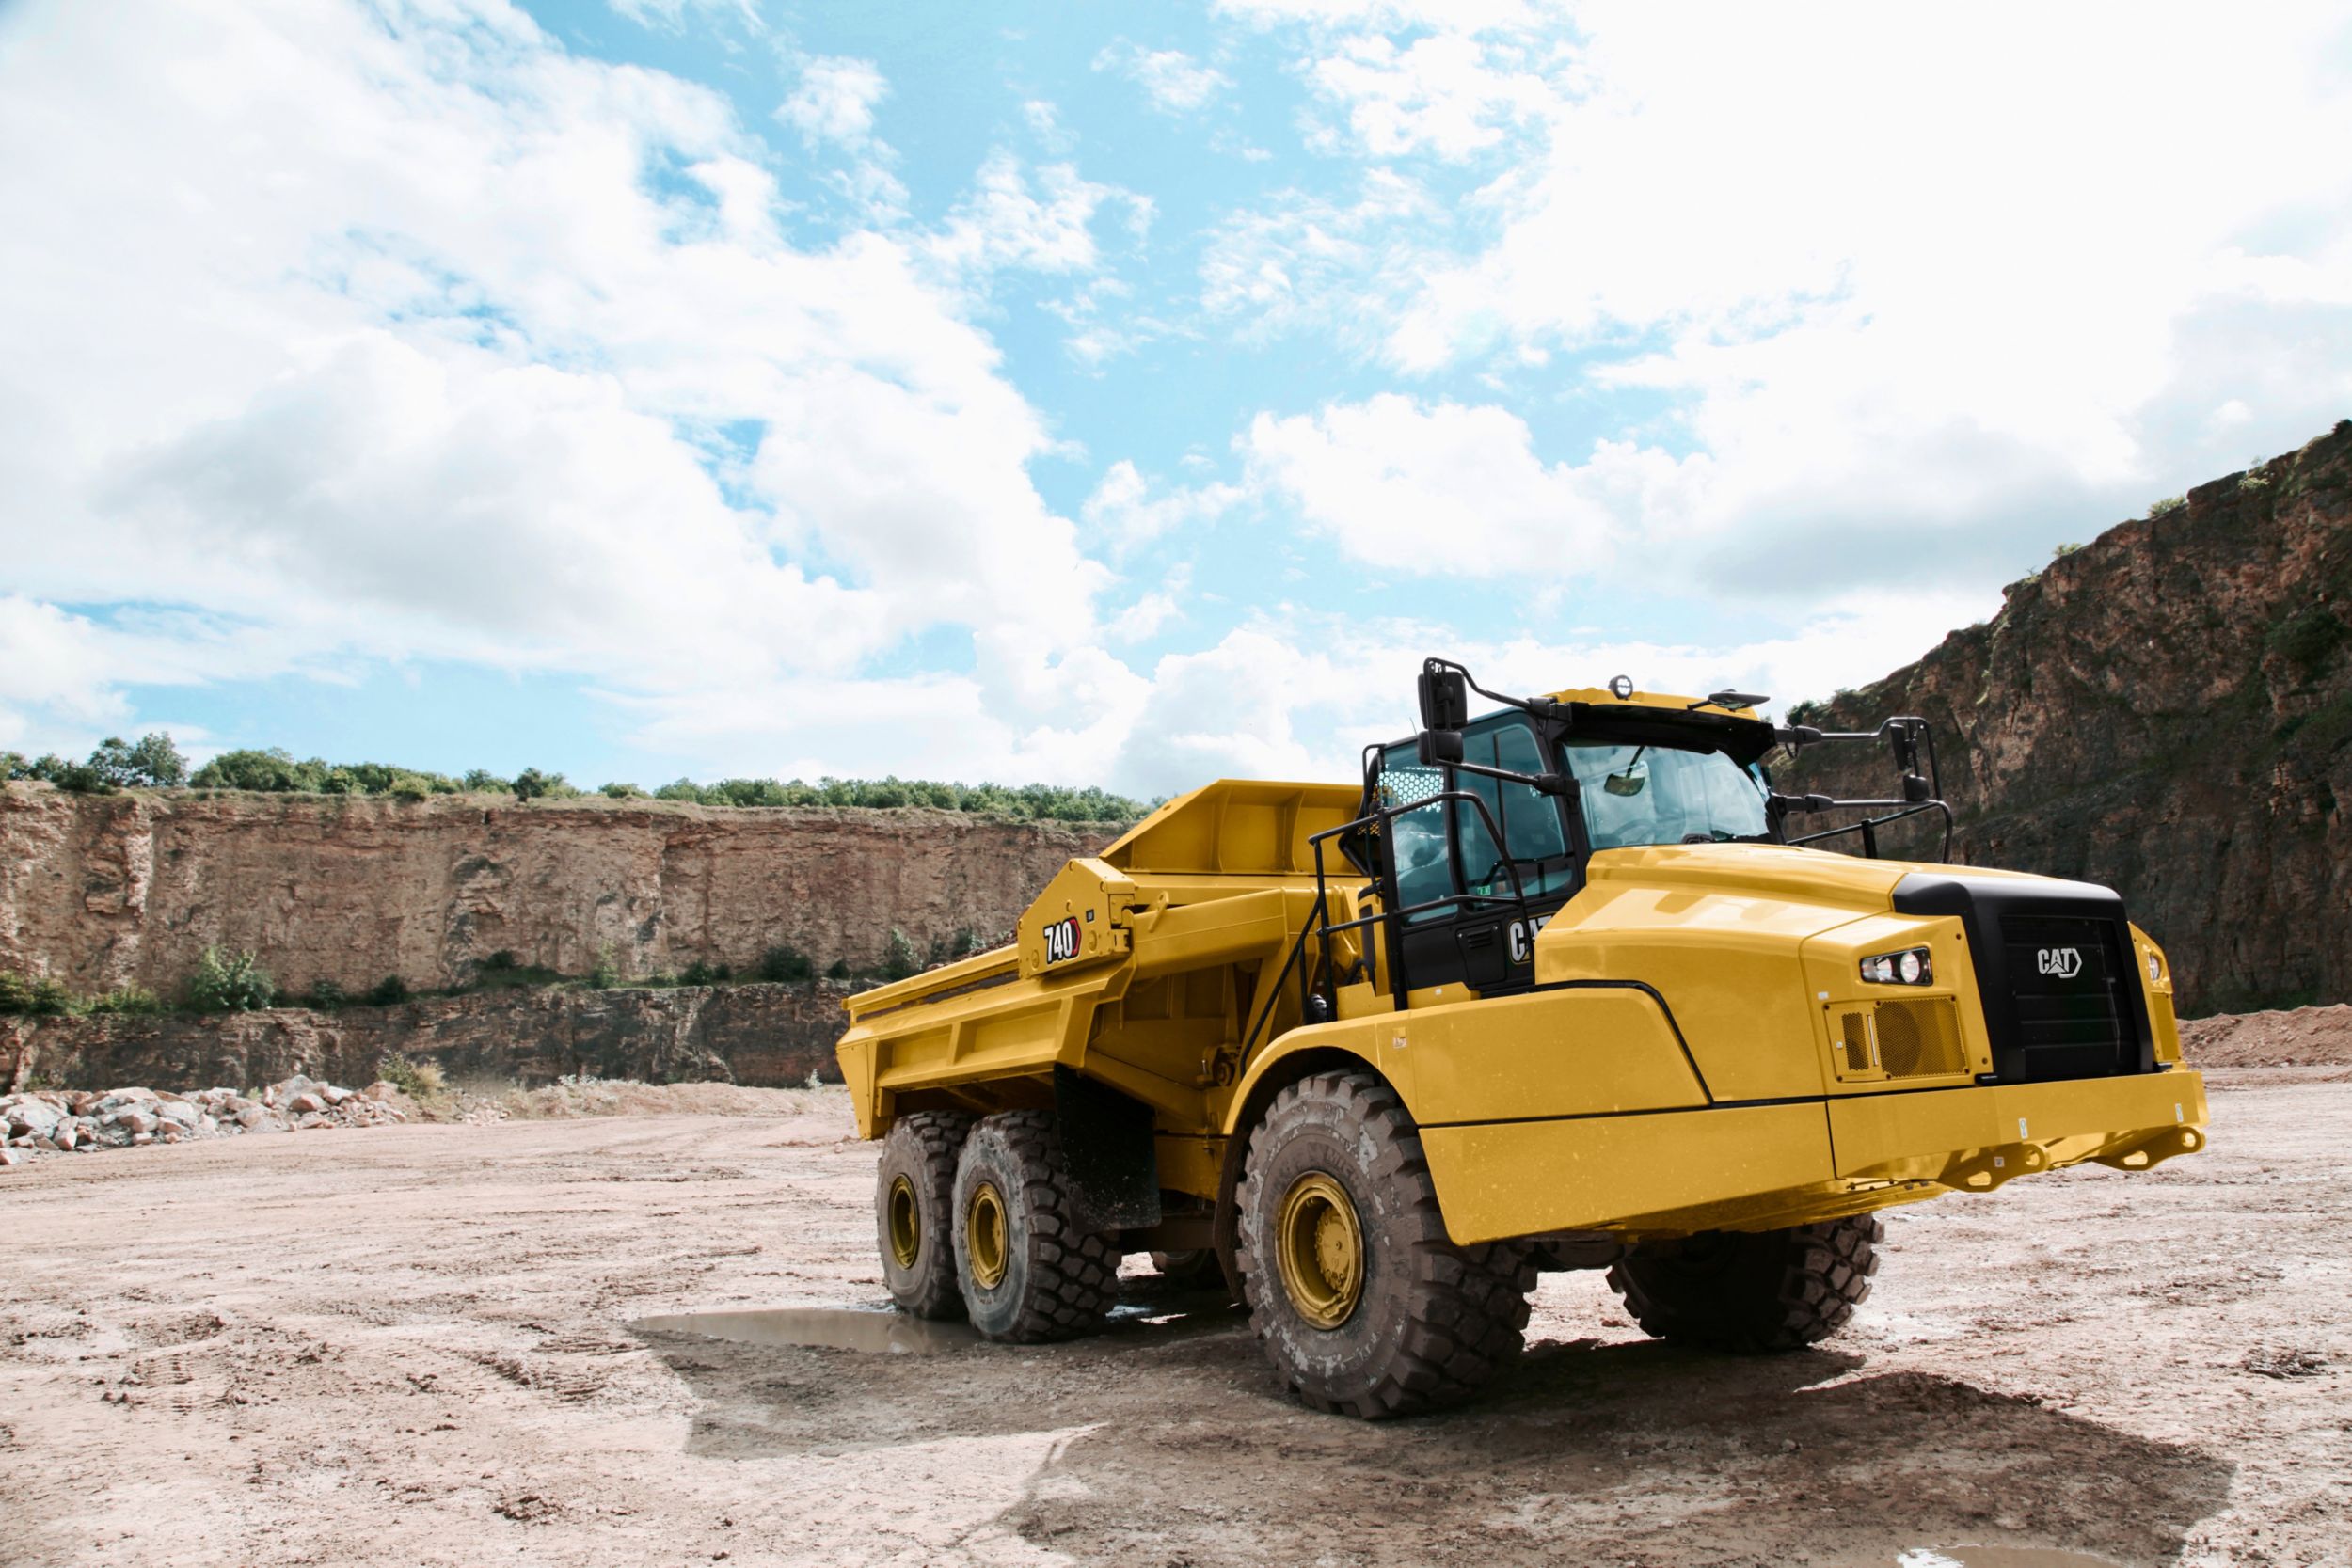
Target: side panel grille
1856	1029
1883	1041
1919	1040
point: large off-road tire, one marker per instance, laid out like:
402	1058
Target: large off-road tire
1029	1273
1361	1303
914	1189
1755	1293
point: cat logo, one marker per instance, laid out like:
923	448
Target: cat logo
1061	939
1522	948
2063	962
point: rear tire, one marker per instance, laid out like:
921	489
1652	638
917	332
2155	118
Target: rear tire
914	1199
1757	1293
1029	1272
1362	1304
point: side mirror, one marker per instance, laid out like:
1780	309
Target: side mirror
1439	748
1914	788
1796	735
1444	701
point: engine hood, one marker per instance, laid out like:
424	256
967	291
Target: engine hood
1846	883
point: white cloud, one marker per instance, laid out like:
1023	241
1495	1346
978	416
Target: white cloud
1124	508
1964	289
1042	223
1304	261
672	14
1171	80
1446	93
835	100
358	334
1444	488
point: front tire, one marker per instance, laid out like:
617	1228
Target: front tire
1029	1272
1754	1293
913	1202
1362	1304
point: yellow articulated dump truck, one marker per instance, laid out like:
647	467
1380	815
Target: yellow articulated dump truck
1558	986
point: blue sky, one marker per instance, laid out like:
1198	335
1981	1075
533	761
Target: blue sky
1099	393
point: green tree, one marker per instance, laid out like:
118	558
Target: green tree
229	983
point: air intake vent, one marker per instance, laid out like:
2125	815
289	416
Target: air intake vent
1918	1039
1857	1032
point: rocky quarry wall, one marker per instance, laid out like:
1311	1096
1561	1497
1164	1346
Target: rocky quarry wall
105	891
765	1036
2166	710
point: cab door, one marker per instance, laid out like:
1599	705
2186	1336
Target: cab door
1469	928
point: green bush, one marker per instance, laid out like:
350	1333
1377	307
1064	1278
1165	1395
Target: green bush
899	958
418	1080
2168	506
33	996
155	761
837	969
2306	638
327	996
501	962
2063	552
229	983
702	974
962	943
273	771
389	991
604	974
130	1000
785	962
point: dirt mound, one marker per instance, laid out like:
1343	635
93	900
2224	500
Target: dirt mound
2305	1037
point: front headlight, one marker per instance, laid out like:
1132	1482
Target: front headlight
1913	966
2155	967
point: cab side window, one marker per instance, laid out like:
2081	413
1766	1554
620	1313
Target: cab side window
1535	837
1423	869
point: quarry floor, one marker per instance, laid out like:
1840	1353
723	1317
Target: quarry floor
413	1345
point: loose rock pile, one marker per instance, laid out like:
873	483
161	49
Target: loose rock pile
81	1122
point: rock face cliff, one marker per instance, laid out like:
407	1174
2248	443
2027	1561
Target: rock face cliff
2166	710
764	1036
104	891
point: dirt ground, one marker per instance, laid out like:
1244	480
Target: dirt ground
413	1345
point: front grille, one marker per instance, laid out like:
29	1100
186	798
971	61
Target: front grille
2066	978
1919	1040
2062	997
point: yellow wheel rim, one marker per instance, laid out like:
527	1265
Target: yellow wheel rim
984	1238
906	1222
1320	1250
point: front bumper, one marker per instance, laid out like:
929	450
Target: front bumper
1974	1139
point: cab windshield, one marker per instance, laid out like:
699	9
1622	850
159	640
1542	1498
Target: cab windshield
1641	794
